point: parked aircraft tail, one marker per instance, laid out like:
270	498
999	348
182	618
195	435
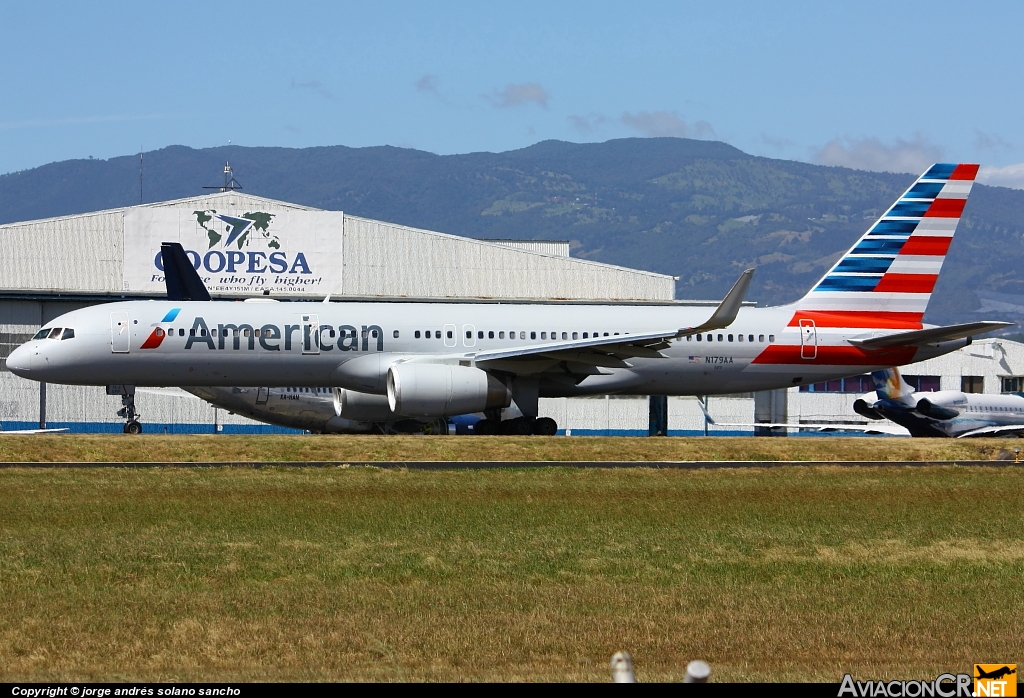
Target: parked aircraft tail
889	384
886	279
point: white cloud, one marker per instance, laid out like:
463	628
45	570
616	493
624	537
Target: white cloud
520	95
587	124
428	84
313	86
1011	176
913	156
654	124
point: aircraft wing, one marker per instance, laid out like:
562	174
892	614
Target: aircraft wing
33	431
612	351
992	431
930	335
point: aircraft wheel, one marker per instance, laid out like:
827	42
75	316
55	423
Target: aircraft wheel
133	427
485	427
520	426
439	427
545	426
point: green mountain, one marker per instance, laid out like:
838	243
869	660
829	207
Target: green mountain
699	210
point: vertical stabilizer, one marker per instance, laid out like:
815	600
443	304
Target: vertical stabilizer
889	384
886	278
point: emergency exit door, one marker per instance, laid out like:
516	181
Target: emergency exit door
120	333
808	340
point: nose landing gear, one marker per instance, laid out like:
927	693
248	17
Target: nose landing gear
127	393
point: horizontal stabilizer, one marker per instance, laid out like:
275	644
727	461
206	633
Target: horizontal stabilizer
929	336
180	277
726	312
1003	430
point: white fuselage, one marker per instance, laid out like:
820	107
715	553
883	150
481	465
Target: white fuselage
267	343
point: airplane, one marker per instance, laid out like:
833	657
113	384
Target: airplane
321	410
435	359
941	413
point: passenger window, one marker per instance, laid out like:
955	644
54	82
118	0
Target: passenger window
760	338
68	333
490	335
501	335
739	338
584	335
469	334
605	334
395	334
771	338
575	335
750	338
450	334
55	333
480	334
543	335
719	338
730	338
711	337
159	332
565	335
533	335
416	334
522	334
374	334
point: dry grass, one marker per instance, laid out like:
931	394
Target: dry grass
200	448
359	573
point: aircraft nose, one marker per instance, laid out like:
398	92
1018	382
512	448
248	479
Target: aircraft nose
20	361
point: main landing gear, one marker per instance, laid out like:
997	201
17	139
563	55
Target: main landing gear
520	426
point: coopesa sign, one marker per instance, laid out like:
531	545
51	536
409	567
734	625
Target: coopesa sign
247	251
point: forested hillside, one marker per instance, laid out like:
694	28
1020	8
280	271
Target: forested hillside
699	210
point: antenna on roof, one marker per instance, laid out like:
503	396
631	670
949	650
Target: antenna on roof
230	183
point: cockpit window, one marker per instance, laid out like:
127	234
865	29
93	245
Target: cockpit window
69	333
41	334
55	333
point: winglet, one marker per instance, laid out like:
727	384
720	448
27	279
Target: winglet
726	312
180	277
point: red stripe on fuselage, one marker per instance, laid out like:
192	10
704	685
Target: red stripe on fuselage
906	283
836	356
860	318
153	340
968	172
926	245
945	208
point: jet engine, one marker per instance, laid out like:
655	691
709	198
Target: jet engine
351	404
936	411
439	390
861	407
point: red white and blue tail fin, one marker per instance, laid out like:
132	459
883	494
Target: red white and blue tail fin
886	279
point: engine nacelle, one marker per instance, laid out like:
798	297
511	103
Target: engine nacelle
440	390
861	407
363	407
944	404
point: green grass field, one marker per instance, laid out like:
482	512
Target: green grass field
798	573
210	447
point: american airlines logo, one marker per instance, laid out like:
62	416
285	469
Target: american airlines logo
309	336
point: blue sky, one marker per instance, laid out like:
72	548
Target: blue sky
880	86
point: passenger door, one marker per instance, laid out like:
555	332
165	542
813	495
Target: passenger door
311	334
120	333
262	395
449	336
808	340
